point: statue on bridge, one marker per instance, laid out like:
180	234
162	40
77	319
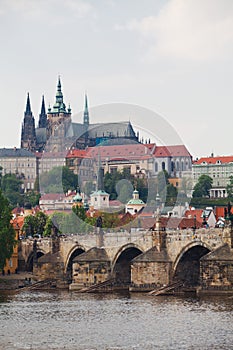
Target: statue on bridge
99	222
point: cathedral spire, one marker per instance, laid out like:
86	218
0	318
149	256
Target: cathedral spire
42	106
28	106
28	134
59	106
59	84
43	116
86	112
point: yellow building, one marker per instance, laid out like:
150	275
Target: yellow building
12	263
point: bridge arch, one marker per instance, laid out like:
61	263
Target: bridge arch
75	251
187	264
29	262
121	265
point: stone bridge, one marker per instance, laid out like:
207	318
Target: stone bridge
131	256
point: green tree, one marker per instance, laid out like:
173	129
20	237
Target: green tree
186	186
11	188
35	224
88	188
203	186
7	232
110	181
32	197
0	176
58	180
48	227
80	212
171	194
41	219
30	225
124	190
114	184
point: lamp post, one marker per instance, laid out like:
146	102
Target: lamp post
194	225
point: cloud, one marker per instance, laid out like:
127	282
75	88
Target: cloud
49	9
194	30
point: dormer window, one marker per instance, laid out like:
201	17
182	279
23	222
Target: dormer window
218	162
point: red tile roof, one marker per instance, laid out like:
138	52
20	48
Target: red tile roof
214	160
115	203
169	151
169	223
195	212
78	153
132	151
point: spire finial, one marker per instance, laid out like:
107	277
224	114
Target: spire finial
42	116
59	83
43	106
86	112
28	105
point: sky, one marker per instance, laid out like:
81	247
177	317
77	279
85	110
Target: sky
173	57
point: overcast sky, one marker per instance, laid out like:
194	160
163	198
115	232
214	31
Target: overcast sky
174	57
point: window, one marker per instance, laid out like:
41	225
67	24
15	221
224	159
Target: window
163	166
172	166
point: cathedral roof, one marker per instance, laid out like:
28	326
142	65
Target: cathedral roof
102	130
118	129
76	130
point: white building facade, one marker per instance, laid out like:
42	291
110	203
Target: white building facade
20	162
219	169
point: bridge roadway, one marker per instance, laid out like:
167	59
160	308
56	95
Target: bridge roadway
177	242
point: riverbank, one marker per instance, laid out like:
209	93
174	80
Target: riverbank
15	281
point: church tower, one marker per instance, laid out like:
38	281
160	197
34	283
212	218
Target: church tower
28	135
86	121
43	115
58	122
86	113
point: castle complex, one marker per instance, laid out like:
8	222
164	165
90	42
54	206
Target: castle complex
56	132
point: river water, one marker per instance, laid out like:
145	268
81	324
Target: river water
68	320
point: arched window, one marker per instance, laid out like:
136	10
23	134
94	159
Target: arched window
172	166
156	167
163	166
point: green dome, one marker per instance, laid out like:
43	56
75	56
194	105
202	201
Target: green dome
136	202
77	198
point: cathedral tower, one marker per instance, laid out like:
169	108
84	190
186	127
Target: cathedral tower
43	115
28	135
59	118
86	113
